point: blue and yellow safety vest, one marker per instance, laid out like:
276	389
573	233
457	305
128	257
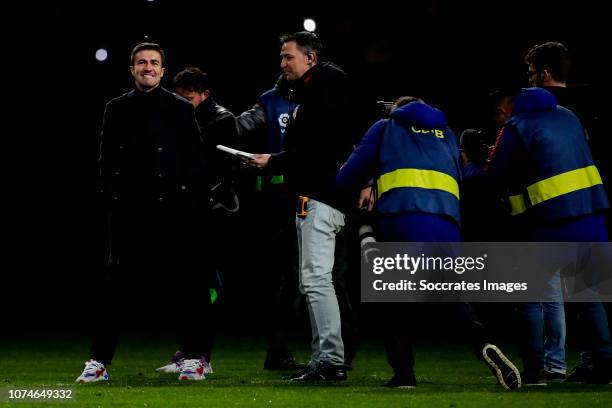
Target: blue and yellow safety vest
559	179
418	170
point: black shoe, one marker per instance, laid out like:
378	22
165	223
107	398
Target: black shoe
508	376
299	374
324	371
348	359
553	376
579	375
283	362
533	378
401	381
601	374
597	375
348	364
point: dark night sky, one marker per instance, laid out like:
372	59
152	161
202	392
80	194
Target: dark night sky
450	53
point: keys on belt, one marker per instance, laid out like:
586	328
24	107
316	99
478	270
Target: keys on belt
302	207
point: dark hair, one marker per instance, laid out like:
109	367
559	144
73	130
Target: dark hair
472	142
508	91
306	42
147	46
192	79
405	100
551	56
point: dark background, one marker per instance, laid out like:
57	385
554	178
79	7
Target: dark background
449	53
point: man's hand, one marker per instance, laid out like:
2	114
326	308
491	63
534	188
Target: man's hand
259	160
366	198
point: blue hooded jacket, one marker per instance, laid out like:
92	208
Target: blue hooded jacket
418	168
415	158
543	154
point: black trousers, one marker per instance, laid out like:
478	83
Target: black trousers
157	273
277	246
399	333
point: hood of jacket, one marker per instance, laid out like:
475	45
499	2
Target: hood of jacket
421	114
533	99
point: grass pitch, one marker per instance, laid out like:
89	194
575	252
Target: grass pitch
448	376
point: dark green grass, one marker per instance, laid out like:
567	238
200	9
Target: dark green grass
448	376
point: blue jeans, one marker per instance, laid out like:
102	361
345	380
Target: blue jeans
597	346
554	337
544	342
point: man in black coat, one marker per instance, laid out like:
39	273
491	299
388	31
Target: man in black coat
154	195
217	124
317	142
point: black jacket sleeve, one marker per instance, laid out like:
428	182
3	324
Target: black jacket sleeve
251	120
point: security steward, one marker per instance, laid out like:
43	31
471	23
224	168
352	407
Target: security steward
414	156
557	194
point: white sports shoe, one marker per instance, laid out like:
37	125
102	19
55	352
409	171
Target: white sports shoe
192	369
171	367
94	371
176	366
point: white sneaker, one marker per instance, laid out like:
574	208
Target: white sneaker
174	366
170	368
192	369
94	371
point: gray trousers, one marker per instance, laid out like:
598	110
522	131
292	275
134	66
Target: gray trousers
317	242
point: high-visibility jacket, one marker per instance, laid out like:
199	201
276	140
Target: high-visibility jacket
418	167
558	179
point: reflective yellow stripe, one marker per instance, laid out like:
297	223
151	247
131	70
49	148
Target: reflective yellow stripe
563	183
429	179
517	204
556	186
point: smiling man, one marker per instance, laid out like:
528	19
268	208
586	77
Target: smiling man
147	69
151	185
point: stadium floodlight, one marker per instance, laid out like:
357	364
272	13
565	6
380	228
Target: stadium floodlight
309	24
101	54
